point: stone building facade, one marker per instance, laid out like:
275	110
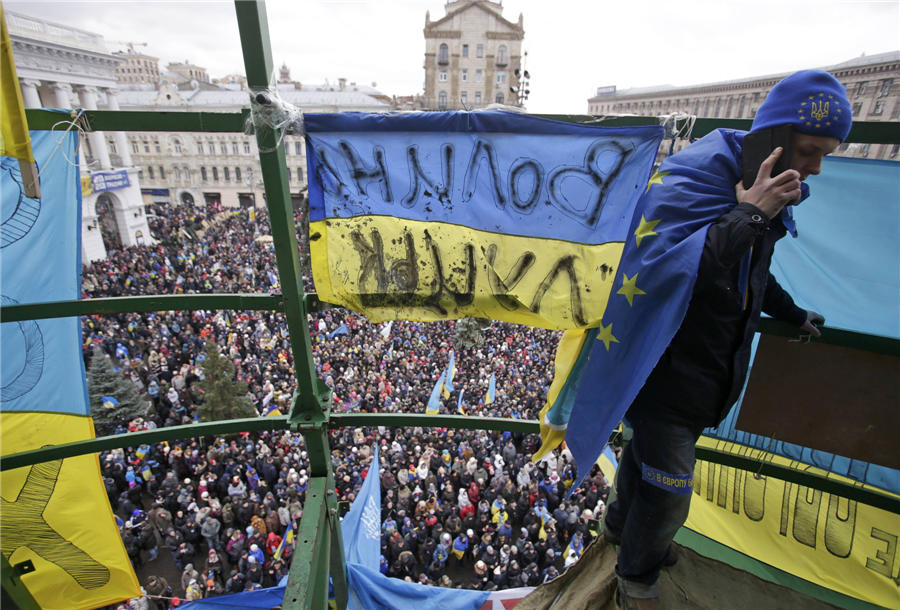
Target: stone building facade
63	67
223	168
872	82
471	57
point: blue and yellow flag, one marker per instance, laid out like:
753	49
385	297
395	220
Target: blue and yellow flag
55	514
286	540
600	371
434	401
443	215
451	370
491	391
459	403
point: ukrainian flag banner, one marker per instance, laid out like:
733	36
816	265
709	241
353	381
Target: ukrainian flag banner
492	390
431	216
600	371
55	514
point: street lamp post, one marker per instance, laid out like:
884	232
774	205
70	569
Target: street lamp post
521	89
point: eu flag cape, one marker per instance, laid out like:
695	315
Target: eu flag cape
600	371
56	513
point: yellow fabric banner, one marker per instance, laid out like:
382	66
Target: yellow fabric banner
57	515
14	138
828	540
550	283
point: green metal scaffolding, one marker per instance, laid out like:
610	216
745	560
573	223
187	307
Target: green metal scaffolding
318	556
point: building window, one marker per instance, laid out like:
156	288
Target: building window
223	147
879	107
886	87
479	50
162	173
479	76
234	148
203	173
211	146
215	174
135	148
442	76
150	172
237	174
501	77
177	173
894	150
299	174
246	148
861	89
227	173
444	54
112	147
199	148
146	147
298	147
287	148
501	55
499	98
140	173
442	100
857	108
465	51
463	98
176	144
864	150
157	147
478	97
464	76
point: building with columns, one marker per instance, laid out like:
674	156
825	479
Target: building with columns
471	57
63	67
872	82
222	169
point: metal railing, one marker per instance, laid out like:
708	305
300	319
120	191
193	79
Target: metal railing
318	555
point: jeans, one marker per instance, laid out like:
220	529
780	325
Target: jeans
654	484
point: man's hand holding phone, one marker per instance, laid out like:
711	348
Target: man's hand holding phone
771	193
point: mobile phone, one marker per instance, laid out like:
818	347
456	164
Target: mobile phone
758	145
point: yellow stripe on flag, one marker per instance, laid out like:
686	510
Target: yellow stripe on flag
390	268
567	352
57	515
831	541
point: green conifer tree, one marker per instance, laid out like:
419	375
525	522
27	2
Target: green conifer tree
224	398
105	381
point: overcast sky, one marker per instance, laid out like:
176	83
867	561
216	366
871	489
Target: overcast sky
573	46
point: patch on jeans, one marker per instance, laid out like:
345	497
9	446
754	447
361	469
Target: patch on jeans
676	483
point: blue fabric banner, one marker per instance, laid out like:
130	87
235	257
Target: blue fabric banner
361	526
40	261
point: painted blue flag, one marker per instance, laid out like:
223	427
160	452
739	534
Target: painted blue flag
434	401
361	526
445	215
600	371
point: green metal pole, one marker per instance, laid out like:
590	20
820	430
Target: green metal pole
14	590
254	32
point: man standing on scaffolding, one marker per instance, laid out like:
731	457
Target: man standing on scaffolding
702	372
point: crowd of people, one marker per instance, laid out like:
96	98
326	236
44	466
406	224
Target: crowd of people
460	508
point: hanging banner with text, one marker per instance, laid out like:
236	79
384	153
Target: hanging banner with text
430	216
825	539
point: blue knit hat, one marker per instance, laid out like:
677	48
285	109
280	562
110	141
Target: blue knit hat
812	101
